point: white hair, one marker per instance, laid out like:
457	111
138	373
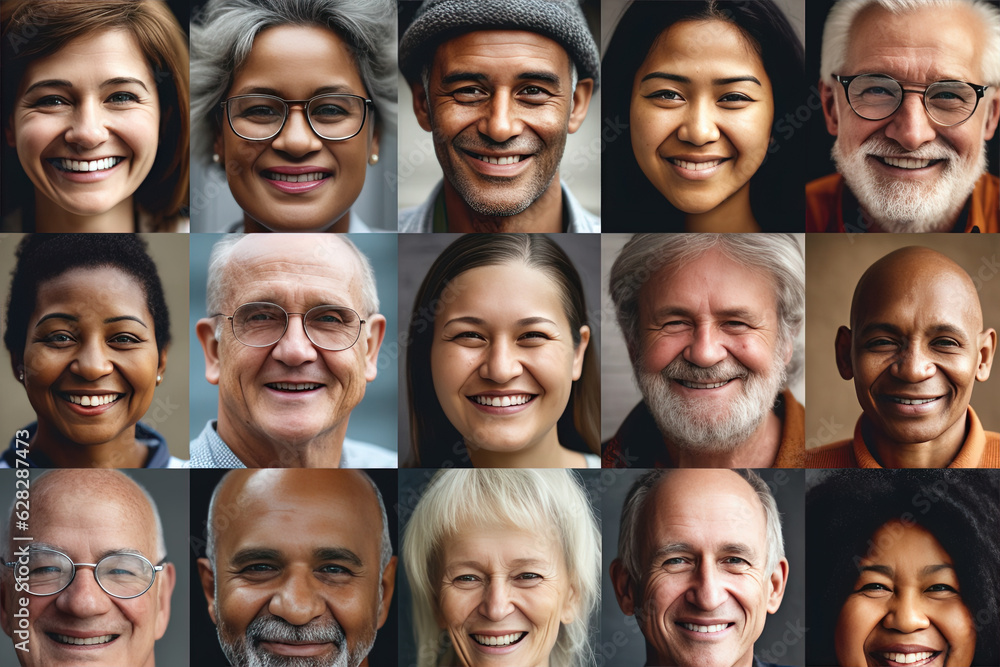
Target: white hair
836	32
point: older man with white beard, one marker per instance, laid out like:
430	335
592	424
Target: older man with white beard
909	162
710	322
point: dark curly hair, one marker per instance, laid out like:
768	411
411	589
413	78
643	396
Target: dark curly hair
631	203
42	257
959	508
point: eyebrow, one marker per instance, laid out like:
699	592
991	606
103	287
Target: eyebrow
74	318
715	82
478	321
61	83
732	548
455	77
893	329
334	89
338	554
97	557
516	563
725	313
888	571
252	554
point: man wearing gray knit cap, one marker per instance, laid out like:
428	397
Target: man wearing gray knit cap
499	84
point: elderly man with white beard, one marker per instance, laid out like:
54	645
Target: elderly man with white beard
710	322
909	89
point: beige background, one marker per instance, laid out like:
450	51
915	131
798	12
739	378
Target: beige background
168	413
834	263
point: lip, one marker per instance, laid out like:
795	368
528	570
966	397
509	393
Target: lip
83	176
82	635
501	409
296	394
324	175
297	649
928	404
931	170
89	410
878	655
500	170
696	166
497	650
702	623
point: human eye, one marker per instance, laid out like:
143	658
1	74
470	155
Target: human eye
50	102
57	339
873	588
735	100
123	98
880	343
535	94
735	560
665	95
736	324
534	337
469	94
335	569
945	342
468	336
942	588
125	339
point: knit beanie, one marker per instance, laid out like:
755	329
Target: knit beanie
437	21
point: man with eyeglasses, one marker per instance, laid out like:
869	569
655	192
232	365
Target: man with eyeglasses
910	90
93	585
291	339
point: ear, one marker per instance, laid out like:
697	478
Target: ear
571	607
8	133
219	146
420	108
623	586
376	332
208	586
161	367
388	586
373	142
165	579
987	348
16	364
828	98
776	586
842	347
210	346
992	116
580	351
581	102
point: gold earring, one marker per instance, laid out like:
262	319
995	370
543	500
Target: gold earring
373	160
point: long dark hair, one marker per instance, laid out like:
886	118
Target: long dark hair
435	442
631	203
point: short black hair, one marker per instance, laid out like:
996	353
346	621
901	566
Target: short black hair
958	507
42	257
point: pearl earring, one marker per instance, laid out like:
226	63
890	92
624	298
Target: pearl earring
20	376
159	379
216	158
373	160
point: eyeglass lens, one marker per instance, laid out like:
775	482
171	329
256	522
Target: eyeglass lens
120	575
331	116
878	97
329	327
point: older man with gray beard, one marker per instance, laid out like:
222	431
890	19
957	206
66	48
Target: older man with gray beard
710	322
909	90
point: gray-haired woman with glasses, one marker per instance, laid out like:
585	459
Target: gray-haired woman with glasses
292	99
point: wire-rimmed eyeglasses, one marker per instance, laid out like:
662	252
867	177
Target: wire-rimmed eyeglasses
334	117
120	575
262	324
878	96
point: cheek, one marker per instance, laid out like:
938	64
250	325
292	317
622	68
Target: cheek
855	622
660	352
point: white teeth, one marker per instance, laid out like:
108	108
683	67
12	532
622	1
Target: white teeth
905	162
92	401
290	386
908	401
297	178
710	385
696	166
84	165
705	628
87	641
908	658
500	160
502	401
502	640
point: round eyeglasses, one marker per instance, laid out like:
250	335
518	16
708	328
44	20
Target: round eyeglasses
331	117
120	575
261	324
877	96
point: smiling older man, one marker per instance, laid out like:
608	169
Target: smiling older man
909	89
710	322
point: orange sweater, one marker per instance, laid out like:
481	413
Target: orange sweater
981	449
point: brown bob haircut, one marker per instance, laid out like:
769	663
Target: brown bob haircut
35	29
435	442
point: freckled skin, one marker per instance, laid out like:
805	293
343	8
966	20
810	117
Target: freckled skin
916	332
703	551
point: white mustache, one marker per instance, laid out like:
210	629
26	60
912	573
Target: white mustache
881	146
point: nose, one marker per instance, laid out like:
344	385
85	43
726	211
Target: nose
501	120
698	126
706	590
497	603
294	348
501	363
905	613
92	362
910	126
913	365
706	348
298	601
83	598
297	137
88	128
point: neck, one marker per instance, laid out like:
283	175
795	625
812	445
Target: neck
251	226
121	452
546	454
732	215
257	450
545	214
50	217
758	451
936	453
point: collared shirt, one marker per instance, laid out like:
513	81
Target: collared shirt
427	217
981	449
639	443
832	207
209	451
159	456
